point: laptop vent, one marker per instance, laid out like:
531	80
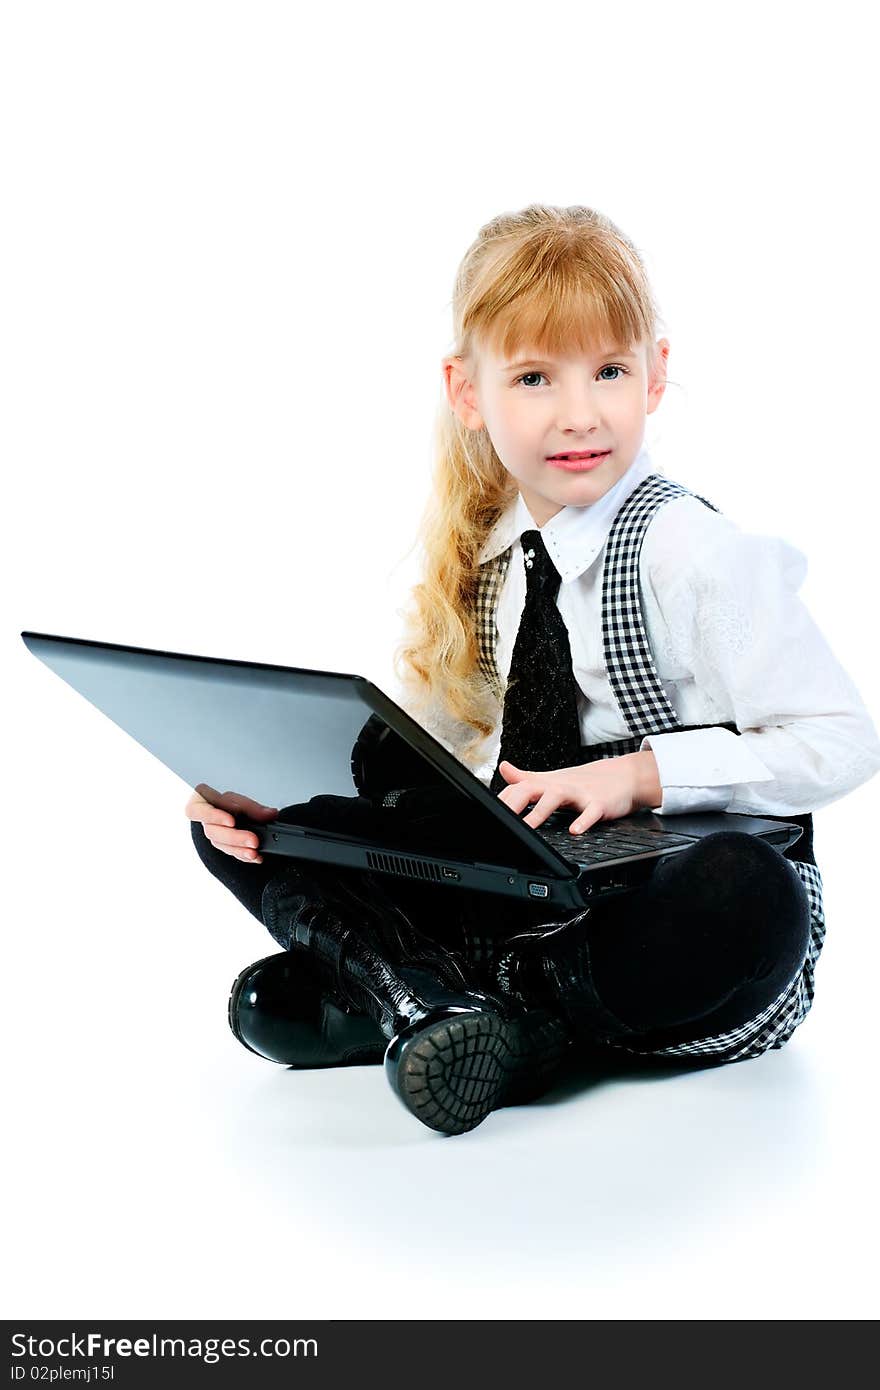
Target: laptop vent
399	864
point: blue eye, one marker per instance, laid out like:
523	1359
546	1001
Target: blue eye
609	367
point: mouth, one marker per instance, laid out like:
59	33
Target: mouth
578	462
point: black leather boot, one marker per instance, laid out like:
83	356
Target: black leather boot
283	1008
550	965
280	1008
454	1053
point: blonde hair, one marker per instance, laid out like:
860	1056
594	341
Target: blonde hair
553	279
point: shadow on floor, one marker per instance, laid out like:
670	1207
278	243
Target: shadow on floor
589	1067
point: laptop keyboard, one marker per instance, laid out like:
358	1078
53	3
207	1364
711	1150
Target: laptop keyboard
603	842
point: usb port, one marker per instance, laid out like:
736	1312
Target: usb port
450	873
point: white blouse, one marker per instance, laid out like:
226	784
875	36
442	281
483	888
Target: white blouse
731	641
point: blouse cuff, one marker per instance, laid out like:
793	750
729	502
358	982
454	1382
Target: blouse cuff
699	769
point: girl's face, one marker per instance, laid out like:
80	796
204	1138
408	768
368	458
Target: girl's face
533	408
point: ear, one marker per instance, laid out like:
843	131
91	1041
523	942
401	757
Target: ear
460	393
657	375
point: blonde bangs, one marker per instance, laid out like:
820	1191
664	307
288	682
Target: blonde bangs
566	292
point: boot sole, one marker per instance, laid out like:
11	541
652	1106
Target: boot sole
451	1074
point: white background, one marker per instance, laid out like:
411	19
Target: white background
229	242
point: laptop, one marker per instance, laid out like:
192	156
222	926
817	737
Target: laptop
356	781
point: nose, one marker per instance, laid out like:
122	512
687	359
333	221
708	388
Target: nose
578	409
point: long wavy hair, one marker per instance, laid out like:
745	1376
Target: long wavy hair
554	279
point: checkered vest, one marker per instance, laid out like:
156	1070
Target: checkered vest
645	709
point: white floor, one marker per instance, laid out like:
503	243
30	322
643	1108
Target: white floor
157	1169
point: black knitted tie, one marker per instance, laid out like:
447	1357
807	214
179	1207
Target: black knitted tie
540	729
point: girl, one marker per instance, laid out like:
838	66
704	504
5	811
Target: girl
588	635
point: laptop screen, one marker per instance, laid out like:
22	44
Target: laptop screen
273	735
285	738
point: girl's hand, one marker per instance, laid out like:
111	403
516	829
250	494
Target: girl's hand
603	790
217	817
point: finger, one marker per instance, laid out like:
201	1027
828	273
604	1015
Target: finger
220	814
256	808
520	796
207	792
212	816
545	807
509	772
232	839
234	803
506	795
245	806
589	816
247	856
524	794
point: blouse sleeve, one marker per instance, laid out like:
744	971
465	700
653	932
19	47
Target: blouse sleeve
754	650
